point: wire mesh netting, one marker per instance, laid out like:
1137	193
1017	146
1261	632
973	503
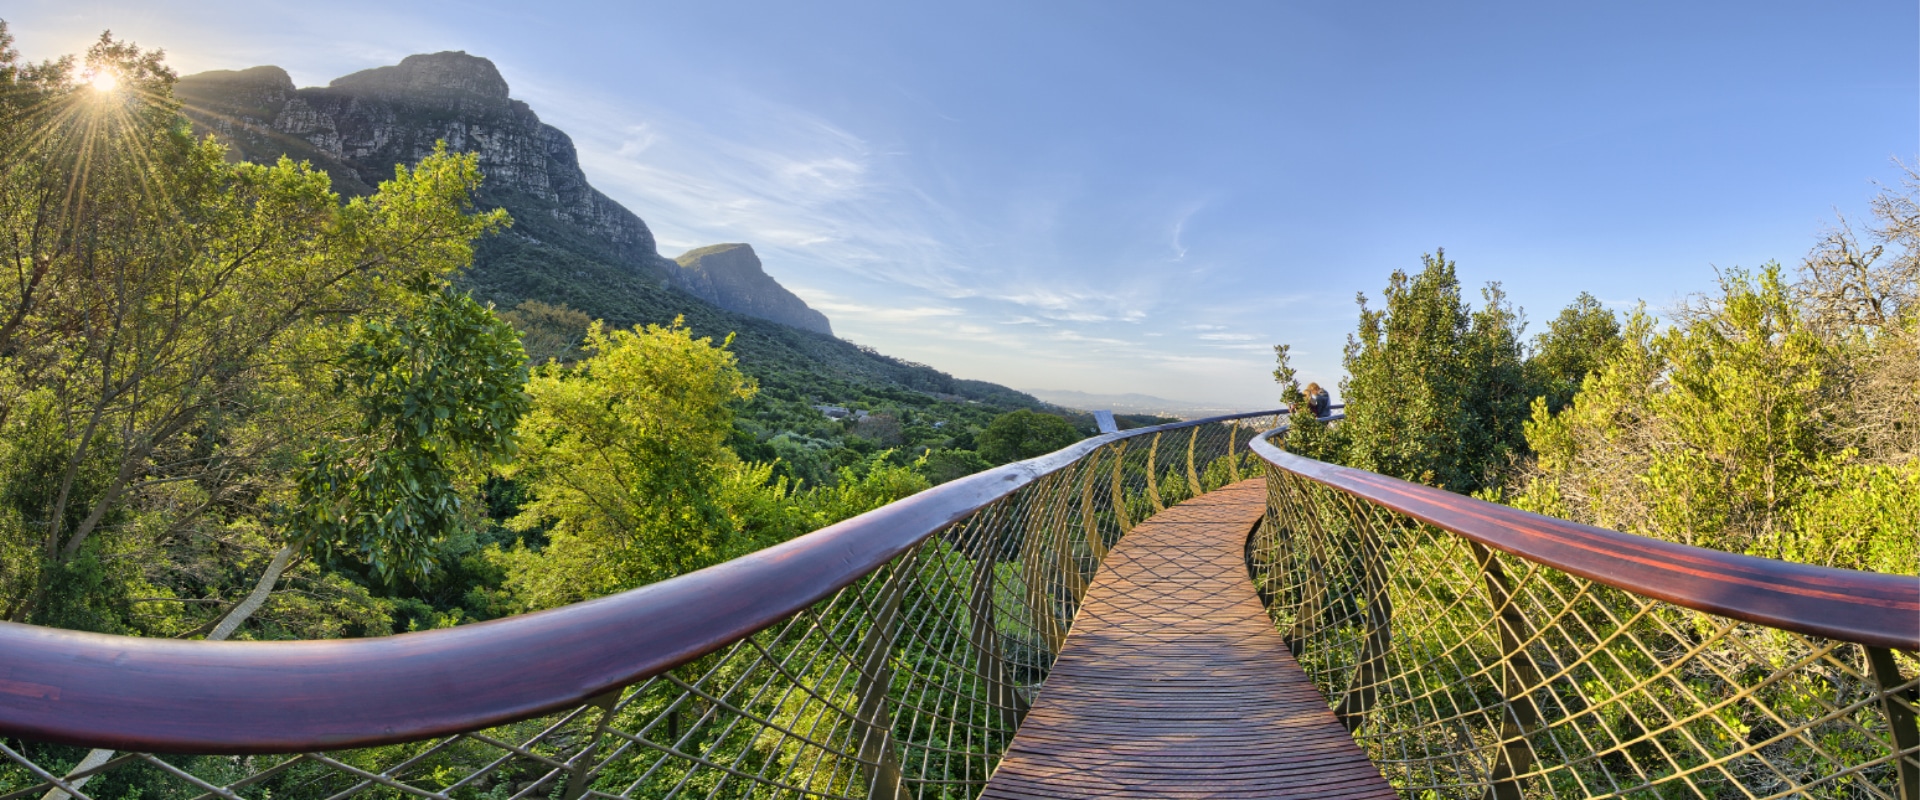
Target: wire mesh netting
907	683
1466	672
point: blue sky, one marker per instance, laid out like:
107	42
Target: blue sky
1145	197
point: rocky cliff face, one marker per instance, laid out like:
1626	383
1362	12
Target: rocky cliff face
361	125
730	276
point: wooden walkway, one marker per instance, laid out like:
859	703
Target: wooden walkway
1174	683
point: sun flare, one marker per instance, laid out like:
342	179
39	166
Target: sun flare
103	81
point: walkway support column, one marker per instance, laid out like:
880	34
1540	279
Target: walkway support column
1899	707
1518	676
984	633
1371	671
580	775
877	759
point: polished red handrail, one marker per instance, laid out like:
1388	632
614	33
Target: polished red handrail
162	695
1869	608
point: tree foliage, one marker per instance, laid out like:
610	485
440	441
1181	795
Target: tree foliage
439	393
624	456
1023	434
161	324
1574	345
1721	431
1436	390
630	481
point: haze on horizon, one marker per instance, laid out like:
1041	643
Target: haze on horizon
1144	198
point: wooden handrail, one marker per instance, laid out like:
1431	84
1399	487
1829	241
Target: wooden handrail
169	696
1870	608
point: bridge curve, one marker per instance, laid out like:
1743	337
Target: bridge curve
1174	683
1468	648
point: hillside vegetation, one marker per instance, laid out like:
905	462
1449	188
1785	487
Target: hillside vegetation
236	404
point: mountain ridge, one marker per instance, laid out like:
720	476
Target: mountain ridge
569	243
730	276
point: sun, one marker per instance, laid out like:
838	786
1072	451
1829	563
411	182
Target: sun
103	80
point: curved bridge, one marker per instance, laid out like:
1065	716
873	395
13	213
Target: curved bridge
1102	621
1174	683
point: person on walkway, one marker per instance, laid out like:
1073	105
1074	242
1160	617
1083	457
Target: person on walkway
1319	404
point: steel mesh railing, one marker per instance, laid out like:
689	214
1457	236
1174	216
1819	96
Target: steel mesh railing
905	679
1465	670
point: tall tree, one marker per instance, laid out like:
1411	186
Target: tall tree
1435	390
624	456
159	301
1574	345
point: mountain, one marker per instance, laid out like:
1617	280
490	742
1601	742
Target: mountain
359	126
569	244
730	276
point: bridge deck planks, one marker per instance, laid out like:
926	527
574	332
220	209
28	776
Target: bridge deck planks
1174	684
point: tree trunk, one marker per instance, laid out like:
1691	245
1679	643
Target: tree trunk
258	598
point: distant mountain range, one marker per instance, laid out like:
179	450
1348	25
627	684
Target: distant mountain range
1135	403
569	244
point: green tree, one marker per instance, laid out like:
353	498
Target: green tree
1719	432
1023	434
942	465
1574	345
160	308
860	488
163	303
439	394
624	457
549	332
1436	391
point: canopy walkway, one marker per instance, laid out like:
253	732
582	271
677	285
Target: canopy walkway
1174	683
1103	621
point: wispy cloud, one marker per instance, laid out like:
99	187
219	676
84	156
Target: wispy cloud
839	308
1178	241
858	228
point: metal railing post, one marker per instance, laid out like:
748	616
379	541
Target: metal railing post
1153	475
985	636
1089	519
1193	477
1034	561
877	759
1233	461
1372	669
1518	676
1898	704
1059	522
1305	560
580	774
1120	511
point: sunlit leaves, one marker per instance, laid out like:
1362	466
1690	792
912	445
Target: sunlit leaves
1435	391
624	455
1720	431
439	393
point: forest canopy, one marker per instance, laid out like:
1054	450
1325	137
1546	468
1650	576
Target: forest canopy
234	403
1777	416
